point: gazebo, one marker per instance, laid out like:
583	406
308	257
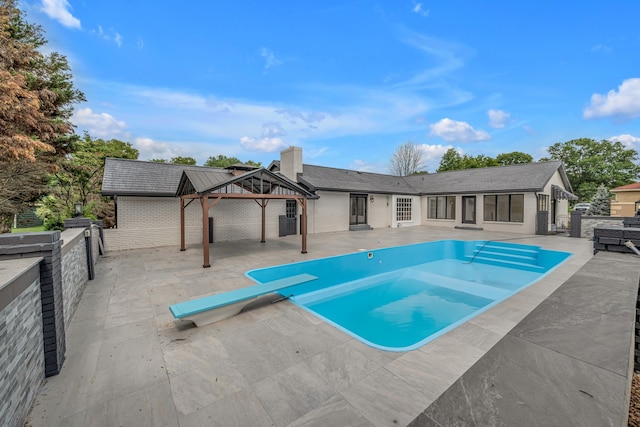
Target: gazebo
246	182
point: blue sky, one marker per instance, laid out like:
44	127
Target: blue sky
349	81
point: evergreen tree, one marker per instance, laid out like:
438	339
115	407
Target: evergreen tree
601	203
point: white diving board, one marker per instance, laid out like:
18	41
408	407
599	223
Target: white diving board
213	308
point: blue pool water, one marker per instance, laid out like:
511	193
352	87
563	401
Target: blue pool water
400	298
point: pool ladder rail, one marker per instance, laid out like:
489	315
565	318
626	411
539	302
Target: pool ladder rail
523	257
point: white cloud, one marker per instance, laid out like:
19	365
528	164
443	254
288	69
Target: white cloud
453	130
270	59
498	118
268	145
623	103
629	141
362	166
601	48
270	140
59	10
420	10
150	149
140	43
99	125
433	154
530	130
109	35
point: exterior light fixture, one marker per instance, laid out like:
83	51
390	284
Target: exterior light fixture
77	209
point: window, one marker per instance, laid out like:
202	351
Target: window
291	208
543	202
441	207
403	209
504	207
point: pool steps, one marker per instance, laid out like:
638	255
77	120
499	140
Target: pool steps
460	285
213	308
513	256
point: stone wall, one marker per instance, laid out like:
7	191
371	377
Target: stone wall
21	339
75	271
588	223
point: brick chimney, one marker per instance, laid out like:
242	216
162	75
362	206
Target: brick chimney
291	162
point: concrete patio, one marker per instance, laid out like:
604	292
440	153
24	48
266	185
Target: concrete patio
129	363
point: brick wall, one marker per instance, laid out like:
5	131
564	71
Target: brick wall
145	222
21	340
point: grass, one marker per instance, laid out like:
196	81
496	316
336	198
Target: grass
28	229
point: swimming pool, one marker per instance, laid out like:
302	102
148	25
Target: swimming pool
400	298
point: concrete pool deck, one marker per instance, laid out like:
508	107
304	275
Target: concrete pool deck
128	362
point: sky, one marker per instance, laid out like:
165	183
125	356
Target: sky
349	81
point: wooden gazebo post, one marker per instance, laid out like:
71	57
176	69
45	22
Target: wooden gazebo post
182	244
204	201
303	223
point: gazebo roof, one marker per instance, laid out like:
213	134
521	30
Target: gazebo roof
253	182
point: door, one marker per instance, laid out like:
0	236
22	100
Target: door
542	215
468	209
358	209
287	222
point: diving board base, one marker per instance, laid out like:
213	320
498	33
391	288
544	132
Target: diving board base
213	308
211	316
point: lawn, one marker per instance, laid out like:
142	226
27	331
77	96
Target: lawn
27	229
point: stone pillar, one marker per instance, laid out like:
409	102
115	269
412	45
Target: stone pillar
86	224
576	224
48	246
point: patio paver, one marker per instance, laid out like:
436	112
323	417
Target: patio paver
129	362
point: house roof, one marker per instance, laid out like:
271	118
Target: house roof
498	179
333	179
629	187
140	178
123	177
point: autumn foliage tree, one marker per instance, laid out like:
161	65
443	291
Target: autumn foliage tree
36	99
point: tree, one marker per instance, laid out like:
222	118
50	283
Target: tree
183	160
78	178
221	161
36	91
451	161
600	203
36	98
406	160
158	160
513	158
21	183
590	163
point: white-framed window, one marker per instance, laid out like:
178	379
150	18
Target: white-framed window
403	208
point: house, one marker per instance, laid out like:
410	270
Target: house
627	198
529	199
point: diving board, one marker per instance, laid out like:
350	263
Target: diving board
213	308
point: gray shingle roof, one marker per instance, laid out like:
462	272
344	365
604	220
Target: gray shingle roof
123	177
325	178
133	177
498	179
